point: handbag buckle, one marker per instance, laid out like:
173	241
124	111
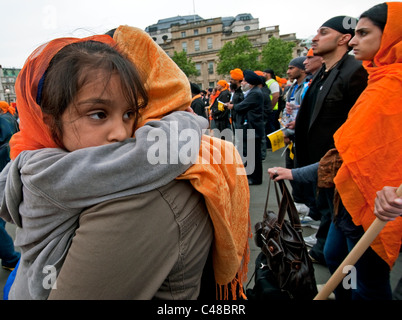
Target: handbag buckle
296	264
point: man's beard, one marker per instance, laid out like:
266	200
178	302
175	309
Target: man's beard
245	87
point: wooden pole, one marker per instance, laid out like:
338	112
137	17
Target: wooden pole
354	255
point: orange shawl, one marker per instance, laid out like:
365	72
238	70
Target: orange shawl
224	184
370	141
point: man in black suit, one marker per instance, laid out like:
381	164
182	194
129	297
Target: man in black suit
249	115
325	107
332	93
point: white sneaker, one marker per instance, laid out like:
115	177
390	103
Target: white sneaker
307	221
310	240
302	208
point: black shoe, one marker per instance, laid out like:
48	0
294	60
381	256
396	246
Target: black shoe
315	259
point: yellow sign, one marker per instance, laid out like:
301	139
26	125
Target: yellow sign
277	140
291	154
221	106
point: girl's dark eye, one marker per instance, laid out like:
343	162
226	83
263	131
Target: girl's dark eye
98	115
129	115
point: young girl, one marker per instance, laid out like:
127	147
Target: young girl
144	230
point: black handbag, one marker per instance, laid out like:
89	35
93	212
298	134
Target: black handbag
282	243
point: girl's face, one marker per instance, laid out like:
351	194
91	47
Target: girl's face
367	40
99	115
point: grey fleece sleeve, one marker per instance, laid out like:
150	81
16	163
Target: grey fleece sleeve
307	174
160	151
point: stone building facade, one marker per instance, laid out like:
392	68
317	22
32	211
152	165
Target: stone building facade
203	38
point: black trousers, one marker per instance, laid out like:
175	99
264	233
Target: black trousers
256	175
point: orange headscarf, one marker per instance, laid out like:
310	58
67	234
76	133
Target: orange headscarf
224	184
34	133
370	141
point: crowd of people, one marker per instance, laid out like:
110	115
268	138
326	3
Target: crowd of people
248	108
343	136
88	107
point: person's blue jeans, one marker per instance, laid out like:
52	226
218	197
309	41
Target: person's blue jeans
9	257
372	272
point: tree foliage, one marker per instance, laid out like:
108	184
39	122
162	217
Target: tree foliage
239	54
276	55
185	63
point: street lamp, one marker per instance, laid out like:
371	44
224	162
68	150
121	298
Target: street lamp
8	91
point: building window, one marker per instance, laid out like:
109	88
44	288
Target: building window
209	29
209	43
211	84
247	28
184	46
197	45
198	67
196	32
183	34
210	67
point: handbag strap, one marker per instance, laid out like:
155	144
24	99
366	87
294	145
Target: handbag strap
276	193
288	206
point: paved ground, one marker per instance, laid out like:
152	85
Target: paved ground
258	196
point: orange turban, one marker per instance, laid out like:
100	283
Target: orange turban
236	74
223	84
310	53
5	107
281	80
258	72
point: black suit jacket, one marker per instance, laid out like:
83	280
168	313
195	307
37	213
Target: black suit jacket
251	108
198	107
314	129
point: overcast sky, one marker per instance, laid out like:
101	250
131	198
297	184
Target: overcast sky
26	24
